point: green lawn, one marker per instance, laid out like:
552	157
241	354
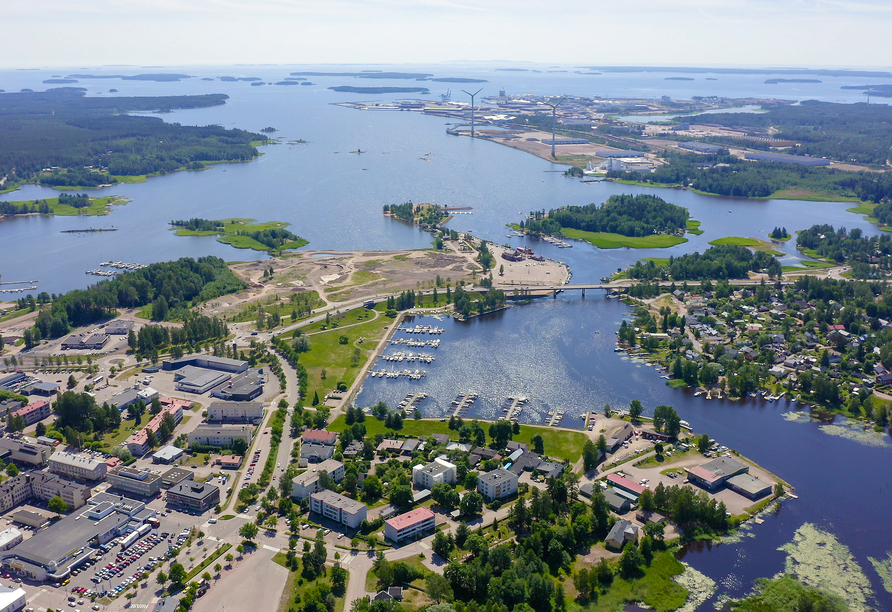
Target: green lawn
809	196
747	242
607	240
693	227
557	443
655	589
227	234
295	585
281	306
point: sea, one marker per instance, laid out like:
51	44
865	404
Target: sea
557	352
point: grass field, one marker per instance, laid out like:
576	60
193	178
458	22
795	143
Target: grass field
271	305
557	443
693	227
227	234
606	240
808	196
655	589
747	242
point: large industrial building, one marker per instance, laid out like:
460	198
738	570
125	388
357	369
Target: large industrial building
235	412
305	484
51	553
77	466
223	364
221	436
784	158
714	474
338	508
242	388
141	482
198	380
408	525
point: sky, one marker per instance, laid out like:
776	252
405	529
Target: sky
800	33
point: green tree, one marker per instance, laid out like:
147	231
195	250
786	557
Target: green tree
57	504
471	504
438	588
72	381
538	444
372	490
40	430
11	470
589	456
248	531
635	410
177	574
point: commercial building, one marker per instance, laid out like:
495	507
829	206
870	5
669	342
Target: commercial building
624	484
46	389
338	508
167	455
175	476
124	399
77	466
199	496
613	153
119	328
408	525
304	485
749	485
51	553
11	381
713	475
230	462
32	413
146	395
25	452
141	482
784	158
223	364
700	147
10	537
220	435
235	412
30	519
41	486
439	470
242	387
12	599
497	484
197	380
90	342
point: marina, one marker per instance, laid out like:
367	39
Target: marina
409	357
411	375
416	343
463	403
512	408
553	418
420	329
412	401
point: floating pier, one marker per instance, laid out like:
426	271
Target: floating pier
512	407
462	402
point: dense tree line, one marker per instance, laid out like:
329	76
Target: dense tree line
717	262
695	512
727	175
195	330
88	140
199	225
848	246
77	200
274	238
407	211
167	286
24	208
640	215
80	412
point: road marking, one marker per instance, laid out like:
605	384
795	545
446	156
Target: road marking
272	548
154	600
425	545
346	561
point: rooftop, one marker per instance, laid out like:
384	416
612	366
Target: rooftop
625	483
75	460
312	473
718	468
350	506
193	490
496	476
413	517
320	435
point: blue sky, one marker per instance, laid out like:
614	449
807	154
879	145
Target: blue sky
642	32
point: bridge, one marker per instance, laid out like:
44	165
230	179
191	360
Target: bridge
613	285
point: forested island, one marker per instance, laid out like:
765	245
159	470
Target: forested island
62	138
623	220
366	75
66	204
776	81
242	233
425	215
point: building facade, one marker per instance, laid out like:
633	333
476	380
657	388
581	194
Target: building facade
77	466
409	525
221	435
235	412
34	412
338	508
439	470
304	485
497	484
142	482
25	452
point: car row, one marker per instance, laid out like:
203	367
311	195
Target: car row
127	558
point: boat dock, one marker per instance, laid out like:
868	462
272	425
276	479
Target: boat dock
512	407
435	343
462	402
410	374
421	329
19	289
553	418
412	401
400	356
122	265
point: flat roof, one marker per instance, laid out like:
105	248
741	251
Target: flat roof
749	483
497	476
408	519
312	473
75	460
168	452
200	377
350	506
193	490
720	467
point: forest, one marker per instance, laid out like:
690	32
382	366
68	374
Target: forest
640	215
731	176
717	262
168	286
858	133
867	255
87	141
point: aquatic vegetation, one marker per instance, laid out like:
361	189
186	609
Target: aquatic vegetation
883	567
819	560
844	428
700	587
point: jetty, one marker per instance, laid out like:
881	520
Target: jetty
401	356
412	401
435	343
462	403
553	418
420	329
90	230
512	407
410	374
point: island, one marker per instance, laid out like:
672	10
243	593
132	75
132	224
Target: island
367	75
457	80
776	81
426	215
66	205
641	221
242	233
52	138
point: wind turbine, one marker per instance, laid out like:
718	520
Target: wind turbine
554	121
472	107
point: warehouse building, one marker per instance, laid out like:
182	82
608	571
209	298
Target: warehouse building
198	496
338	508
221	436
119	328
235	412
142	482
89	342
409	525
749	485
223	364
711	476
784	158
305	484
242	388
700	147
77	466
167	455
